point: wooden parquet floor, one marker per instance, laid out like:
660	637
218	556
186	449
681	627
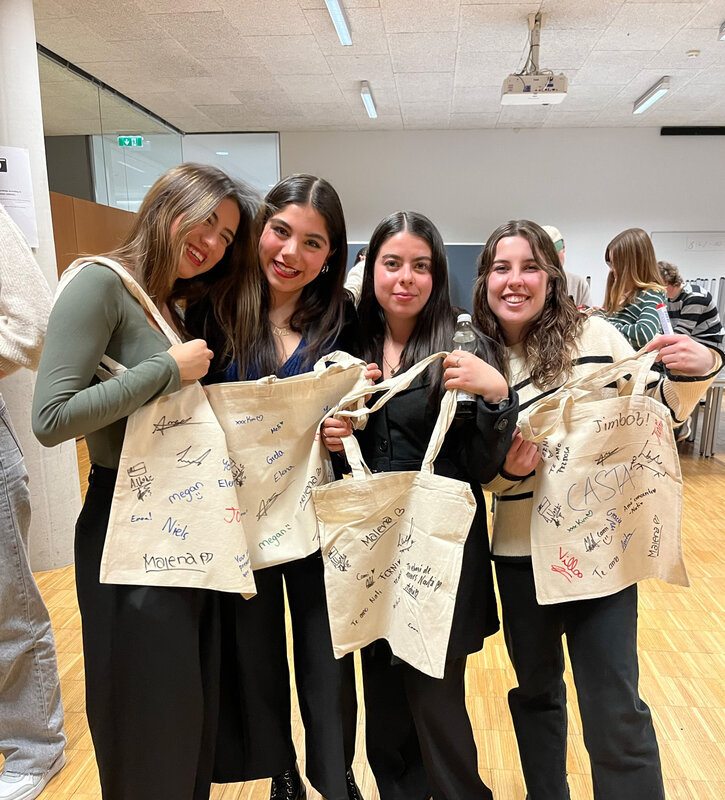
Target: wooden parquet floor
682	657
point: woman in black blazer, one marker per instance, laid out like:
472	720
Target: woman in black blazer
419	737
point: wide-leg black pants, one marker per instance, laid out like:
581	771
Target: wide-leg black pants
152	666
601	637
417	730
256	677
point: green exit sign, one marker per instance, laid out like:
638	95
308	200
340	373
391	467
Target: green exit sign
130	141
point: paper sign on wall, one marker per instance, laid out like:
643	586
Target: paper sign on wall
16	191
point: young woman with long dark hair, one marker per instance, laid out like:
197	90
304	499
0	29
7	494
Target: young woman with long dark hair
305	313
419	736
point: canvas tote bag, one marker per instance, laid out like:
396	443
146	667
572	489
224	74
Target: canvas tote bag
172	520
275	453
392	545
608	496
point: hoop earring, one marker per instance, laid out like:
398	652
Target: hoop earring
324	268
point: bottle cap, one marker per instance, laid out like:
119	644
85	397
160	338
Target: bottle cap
464	318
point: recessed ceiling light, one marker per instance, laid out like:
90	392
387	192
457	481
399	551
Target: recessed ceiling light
339	21
222	153
721	35
692	53
652	95
367	99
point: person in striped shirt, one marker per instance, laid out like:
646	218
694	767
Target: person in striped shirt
521	301
634	288
691	312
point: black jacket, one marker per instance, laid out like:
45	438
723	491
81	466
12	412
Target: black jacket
396	438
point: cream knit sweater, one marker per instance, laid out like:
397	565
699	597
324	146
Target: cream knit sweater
24	300
599	344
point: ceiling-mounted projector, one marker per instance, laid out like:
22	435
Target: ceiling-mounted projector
534	90
532	86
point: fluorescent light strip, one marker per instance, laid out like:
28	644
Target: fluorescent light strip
339	21
367	99
652	95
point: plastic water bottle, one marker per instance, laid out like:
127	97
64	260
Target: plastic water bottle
465	339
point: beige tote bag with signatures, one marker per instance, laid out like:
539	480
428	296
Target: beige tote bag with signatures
275	452
608	497
392	546
173	517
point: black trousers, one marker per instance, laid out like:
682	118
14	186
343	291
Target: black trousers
260	681
418	734
325	685
254	736
601	637
152	666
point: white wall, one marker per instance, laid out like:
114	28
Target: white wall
590	183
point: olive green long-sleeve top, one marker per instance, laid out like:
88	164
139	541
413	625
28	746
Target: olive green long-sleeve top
96	315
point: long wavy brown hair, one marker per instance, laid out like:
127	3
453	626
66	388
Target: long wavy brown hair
633	263
550	342
190	193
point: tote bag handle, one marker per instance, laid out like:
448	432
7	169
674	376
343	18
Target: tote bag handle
390	388
338	358
129	282
108	368
576	390
336	361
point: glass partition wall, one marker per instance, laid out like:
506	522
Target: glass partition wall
125	149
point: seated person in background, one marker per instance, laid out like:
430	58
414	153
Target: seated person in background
576	287
354	279
634	287
691	312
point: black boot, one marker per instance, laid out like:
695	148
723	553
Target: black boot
288	786
353	792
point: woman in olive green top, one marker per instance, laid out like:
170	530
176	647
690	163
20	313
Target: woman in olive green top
151	654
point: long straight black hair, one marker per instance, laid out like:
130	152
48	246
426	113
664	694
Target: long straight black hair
436	322
319	314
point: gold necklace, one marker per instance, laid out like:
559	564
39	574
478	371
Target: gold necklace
392	368
283	331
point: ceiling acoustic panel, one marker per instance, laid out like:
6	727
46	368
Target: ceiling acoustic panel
257	65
